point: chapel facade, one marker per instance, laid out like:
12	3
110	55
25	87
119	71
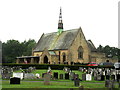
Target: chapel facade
63	47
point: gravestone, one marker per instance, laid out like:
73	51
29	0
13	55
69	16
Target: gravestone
56	75
14	80
47	79
61	76
77	82
72	75
99	78
66	75
118	77
102	77
29	76
84	77
18	75
88	77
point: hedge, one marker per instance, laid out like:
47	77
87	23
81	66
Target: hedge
53	66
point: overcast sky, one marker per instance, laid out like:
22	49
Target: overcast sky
28	19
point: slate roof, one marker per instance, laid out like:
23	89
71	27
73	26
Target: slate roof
52	41
91	46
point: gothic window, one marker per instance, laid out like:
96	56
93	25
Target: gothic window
64	57
80	52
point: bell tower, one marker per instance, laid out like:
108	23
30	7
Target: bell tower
60	23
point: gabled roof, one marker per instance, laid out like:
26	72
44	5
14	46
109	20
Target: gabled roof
91	46
52	41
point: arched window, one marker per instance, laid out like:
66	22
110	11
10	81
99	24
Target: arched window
64	57
80	52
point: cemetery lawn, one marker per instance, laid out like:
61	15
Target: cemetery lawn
53	84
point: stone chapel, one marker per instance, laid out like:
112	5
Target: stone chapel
63	47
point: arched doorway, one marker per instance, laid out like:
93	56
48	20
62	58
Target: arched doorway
46	59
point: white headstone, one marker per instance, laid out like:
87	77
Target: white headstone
88	77
19	75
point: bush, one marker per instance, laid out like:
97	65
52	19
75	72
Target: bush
53	66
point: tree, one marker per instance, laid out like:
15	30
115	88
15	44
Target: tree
13	48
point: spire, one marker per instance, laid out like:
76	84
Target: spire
60	23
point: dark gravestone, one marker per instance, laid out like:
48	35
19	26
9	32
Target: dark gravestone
106	83
66	75
14	80
84	77
56	75
102	77
107	77
77	82
118	77
61	76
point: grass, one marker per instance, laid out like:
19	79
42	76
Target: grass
39	84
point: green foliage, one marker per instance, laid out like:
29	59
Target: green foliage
54	67
110	52
13	48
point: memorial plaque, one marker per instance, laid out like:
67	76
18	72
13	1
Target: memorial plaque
14	80
47	79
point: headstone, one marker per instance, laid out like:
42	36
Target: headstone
88	77
14	80
72	75
47	79
56	75
98	77
29	76
118	77
84	77
61	76
106	83
77	82
66	75
102	77
18	75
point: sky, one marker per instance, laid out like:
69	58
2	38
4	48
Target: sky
29	19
